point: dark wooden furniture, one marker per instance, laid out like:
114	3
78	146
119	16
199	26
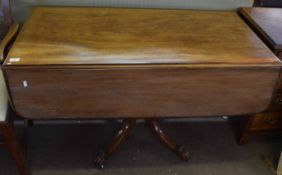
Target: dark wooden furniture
7	132
138	63
267	23
268	3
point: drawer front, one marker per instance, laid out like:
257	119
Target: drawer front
267	121
276	103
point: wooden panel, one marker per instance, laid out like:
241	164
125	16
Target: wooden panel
268	3
140	92
268	22
75	36
266	121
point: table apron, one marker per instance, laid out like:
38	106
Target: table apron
133	93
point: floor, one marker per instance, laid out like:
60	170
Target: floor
68	149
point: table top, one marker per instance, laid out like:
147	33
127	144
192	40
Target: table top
268	22
116	36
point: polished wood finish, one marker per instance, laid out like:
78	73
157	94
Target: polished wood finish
138	63
123	133
99	36
131	93
160	134
108	64
267	23
126	129
8	133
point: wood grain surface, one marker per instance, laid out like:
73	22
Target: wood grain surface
75	36
137	63
268	22
140	93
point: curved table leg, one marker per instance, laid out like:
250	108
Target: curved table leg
156	130
120	137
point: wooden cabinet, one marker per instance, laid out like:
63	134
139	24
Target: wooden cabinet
267	23
266	121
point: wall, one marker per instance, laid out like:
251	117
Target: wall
21	8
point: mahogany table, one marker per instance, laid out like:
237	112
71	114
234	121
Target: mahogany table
138	63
